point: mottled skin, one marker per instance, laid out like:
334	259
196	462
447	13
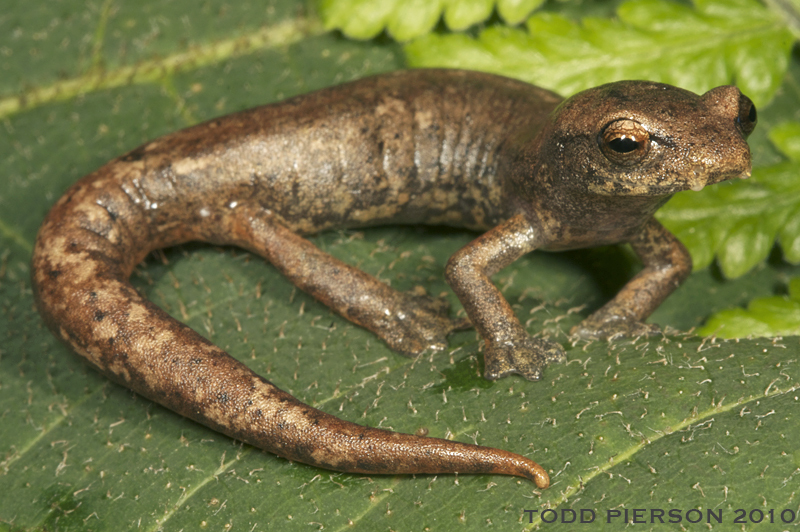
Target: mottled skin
422	147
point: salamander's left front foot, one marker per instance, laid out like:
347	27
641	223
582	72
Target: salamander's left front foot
612	326
525	356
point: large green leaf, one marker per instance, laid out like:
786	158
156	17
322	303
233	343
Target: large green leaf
668	422
696	47
408	19
741	221
765	316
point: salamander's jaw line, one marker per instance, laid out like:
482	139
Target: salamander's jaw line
699	184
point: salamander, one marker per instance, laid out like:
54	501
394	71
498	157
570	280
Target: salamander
528	170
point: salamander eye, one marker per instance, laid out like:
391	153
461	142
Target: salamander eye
625	142
748	117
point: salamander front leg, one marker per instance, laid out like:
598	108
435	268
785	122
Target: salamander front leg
666	265
508	347
409	323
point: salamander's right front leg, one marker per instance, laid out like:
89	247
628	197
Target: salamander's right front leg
508	348
409	323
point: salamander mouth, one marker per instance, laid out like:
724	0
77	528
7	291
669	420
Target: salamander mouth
697	182
700	182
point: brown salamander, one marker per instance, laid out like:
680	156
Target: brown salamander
458	148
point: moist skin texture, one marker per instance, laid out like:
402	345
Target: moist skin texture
457	148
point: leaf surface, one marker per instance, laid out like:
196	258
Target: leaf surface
408	19
702	423
741	221
649	39
764	316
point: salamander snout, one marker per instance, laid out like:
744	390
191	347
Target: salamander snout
729	101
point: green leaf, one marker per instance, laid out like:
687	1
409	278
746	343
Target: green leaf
779	209
408	19
411	18
462	14
786	138
515	11
765	316
364	19
789	237
663	422
740	222
649	39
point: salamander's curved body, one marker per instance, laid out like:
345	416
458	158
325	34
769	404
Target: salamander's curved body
430	147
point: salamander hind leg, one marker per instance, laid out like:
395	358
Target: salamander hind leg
410	323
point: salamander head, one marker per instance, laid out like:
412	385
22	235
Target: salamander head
639	138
